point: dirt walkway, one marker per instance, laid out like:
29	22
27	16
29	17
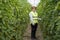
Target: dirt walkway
27	34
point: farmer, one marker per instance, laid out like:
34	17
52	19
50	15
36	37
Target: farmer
34	22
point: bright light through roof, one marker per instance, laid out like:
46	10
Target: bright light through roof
34	2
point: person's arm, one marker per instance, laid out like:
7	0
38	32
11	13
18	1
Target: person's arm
30	15
37	18
31	18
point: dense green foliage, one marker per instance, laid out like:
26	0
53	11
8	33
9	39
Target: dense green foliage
14	19
50	23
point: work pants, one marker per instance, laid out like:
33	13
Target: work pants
33	30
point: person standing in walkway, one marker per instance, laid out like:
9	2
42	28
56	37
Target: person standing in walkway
33	22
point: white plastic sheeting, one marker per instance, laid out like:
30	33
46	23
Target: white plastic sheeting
34	2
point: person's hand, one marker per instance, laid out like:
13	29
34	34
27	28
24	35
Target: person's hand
39	18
